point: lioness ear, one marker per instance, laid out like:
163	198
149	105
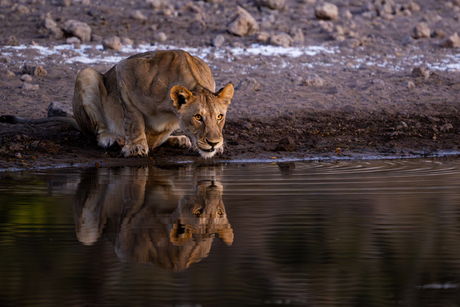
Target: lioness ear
180	96
226	93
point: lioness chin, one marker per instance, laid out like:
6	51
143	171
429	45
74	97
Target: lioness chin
140	101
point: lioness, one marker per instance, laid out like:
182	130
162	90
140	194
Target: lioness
140	101
144	98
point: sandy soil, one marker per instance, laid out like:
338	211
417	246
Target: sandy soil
383	92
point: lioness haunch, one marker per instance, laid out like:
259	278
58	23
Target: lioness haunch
140	101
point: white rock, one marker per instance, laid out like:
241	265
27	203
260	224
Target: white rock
326	11
244	24
138	15
30	87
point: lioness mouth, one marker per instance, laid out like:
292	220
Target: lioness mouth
208	150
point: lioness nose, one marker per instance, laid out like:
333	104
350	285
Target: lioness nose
211	143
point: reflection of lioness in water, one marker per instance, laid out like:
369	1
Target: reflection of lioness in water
144	98
149	219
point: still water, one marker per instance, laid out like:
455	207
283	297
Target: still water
363	233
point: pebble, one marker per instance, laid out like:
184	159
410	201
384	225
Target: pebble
18	155
56	32
421	31
79	29
12	41
112	43
125	41
244	24
161	37
30	87
271	4
58	109
446	127
218	41
156	4
409	84
420	72
21	9
9	74
26	78
326	11
452	42
138	15
72	40
248	83
48	23
34	70
281	39
313	80
263	37
286	144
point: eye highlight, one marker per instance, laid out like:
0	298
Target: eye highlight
198	117
219	117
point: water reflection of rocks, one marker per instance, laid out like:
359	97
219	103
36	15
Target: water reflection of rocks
148	218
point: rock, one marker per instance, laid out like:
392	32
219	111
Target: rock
248	83
33	70
452	42
286	144
30	87
263	37
96	38
408	40
431	17
5	3
112	43
22	9
326	26
26	78
313	80
125	41
272	4
439	34
79	29
326	11
12	41
218	41
138	15
160	37
379	83
297	35
446	127
48	23
421	31
56	32
418	72
409	84
384	7
58	109
412	6
9	74
243	24
351	43
72	40
156	4
281	39
347	15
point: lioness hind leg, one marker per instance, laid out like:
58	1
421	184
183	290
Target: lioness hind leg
180	141
89	95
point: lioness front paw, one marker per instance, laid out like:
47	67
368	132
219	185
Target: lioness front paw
135	150
179	141
108	140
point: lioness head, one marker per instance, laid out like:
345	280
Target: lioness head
202	116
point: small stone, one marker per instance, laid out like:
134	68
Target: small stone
313	80
412	6
408	40
326	26
79	29
281	39
452	42
248	83
218	41
421	31
243	24
22	9
286	144
96	38
9	74
26	78
431	17
18	155
446	127
72	40
125	41
30	87
57	109
379	83
297	35
112	43
418	72
409	84
271	4
48	23
34	144
263	37
138	15
439	34
161	37
326	11
348	15
33	70
156	4
12	41
56	32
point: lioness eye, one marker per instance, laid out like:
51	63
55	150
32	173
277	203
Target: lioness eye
198	212
198	117
220	116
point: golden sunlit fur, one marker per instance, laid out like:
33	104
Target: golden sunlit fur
140	101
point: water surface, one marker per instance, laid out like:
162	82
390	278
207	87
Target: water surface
372	233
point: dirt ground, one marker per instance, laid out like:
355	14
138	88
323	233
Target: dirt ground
383	90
